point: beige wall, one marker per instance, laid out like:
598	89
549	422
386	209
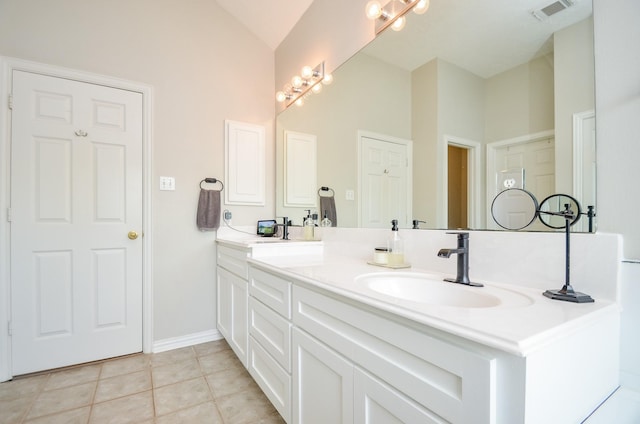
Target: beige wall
204	67
354	101
574	70
617	36
424	126
331	31
446	101
520	101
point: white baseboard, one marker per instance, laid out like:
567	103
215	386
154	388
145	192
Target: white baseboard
184	341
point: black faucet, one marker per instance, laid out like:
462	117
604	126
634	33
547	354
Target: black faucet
285	227
416	224
463	260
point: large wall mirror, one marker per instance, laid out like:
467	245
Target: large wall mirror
431	122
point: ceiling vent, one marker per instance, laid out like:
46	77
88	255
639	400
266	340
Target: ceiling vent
551	9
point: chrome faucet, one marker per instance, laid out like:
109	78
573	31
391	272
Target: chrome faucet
462	251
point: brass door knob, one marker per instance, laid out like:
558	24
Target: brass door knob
132	235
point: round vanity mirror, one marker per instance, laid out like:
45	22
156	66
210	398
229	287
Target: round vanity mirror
514	209
556	208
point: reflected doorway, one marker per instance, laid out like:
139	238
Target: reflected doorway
462	183
458	188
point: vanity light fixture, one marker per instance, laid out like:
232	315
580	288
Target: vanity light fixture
392	13
309	81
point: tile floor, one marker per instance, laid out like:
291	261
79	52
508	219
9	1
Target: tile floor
200	384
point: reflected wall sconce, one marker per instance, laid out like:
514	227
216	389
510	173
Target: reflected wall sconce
301	86
392	13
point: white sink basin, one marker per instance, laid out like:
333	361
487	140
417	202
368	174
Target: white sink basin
428	289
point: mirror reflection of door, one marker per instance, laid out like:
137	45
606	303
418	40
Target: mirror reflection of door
385	187
537	158
458	193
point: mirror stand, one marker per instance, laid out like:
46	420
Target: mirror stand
567	293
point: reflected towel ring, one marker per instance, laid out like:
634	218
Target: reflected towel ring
212	181
326	189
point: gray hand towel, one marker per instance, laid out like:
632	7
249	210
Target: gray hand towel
328	206
208	217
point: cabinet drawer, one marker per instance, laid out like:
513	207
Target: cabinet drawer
272	331
274	381
273	291
233	260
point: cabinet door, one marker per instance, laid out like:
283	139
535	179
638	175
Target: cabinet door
233	310
376	402
274	381
322	383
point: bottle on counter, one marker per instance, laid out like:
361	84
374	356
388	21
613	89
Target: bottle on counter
326	222
395	246
308	227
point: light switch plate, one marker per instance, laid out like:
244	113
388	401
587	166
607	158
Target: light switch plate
167	183
350	195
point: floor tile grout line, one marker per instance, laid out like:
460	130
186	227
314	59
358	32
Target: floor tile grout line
36	396
147	366
95	392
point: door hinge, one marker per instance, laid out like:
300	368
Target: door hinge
9	328
10	102
8	214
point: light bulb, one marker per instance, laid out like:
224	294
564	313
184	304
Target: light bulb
296	81
421	7
399	23
317	88
373	9
307	72
328	79
280	96
300	102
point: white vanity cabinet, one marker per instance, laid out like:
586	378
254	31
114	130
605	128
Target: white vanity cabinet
233	299
324	354
323	382
328	388
270	337
353	365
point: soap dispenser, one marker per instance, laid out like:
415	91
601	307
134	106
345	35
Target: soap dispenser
395	246
326	222
308	227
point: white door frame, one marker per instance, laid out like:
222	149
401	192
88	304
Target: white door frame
474	163
390	139
7	66
578	149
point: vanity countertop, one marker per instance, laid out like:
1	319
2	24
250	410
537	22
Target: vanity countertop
525	322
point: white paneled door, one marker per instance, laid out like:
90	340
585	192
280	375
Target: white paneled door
76	222
384	180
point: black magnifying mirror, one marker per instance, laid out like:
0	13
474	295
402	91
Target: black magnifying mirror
514	209
554	209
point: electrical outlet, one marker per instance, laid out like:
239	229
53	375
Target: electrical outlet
167	183
350	195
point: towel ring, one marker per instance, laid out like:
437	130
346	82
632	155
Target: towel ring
326	189
212	181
